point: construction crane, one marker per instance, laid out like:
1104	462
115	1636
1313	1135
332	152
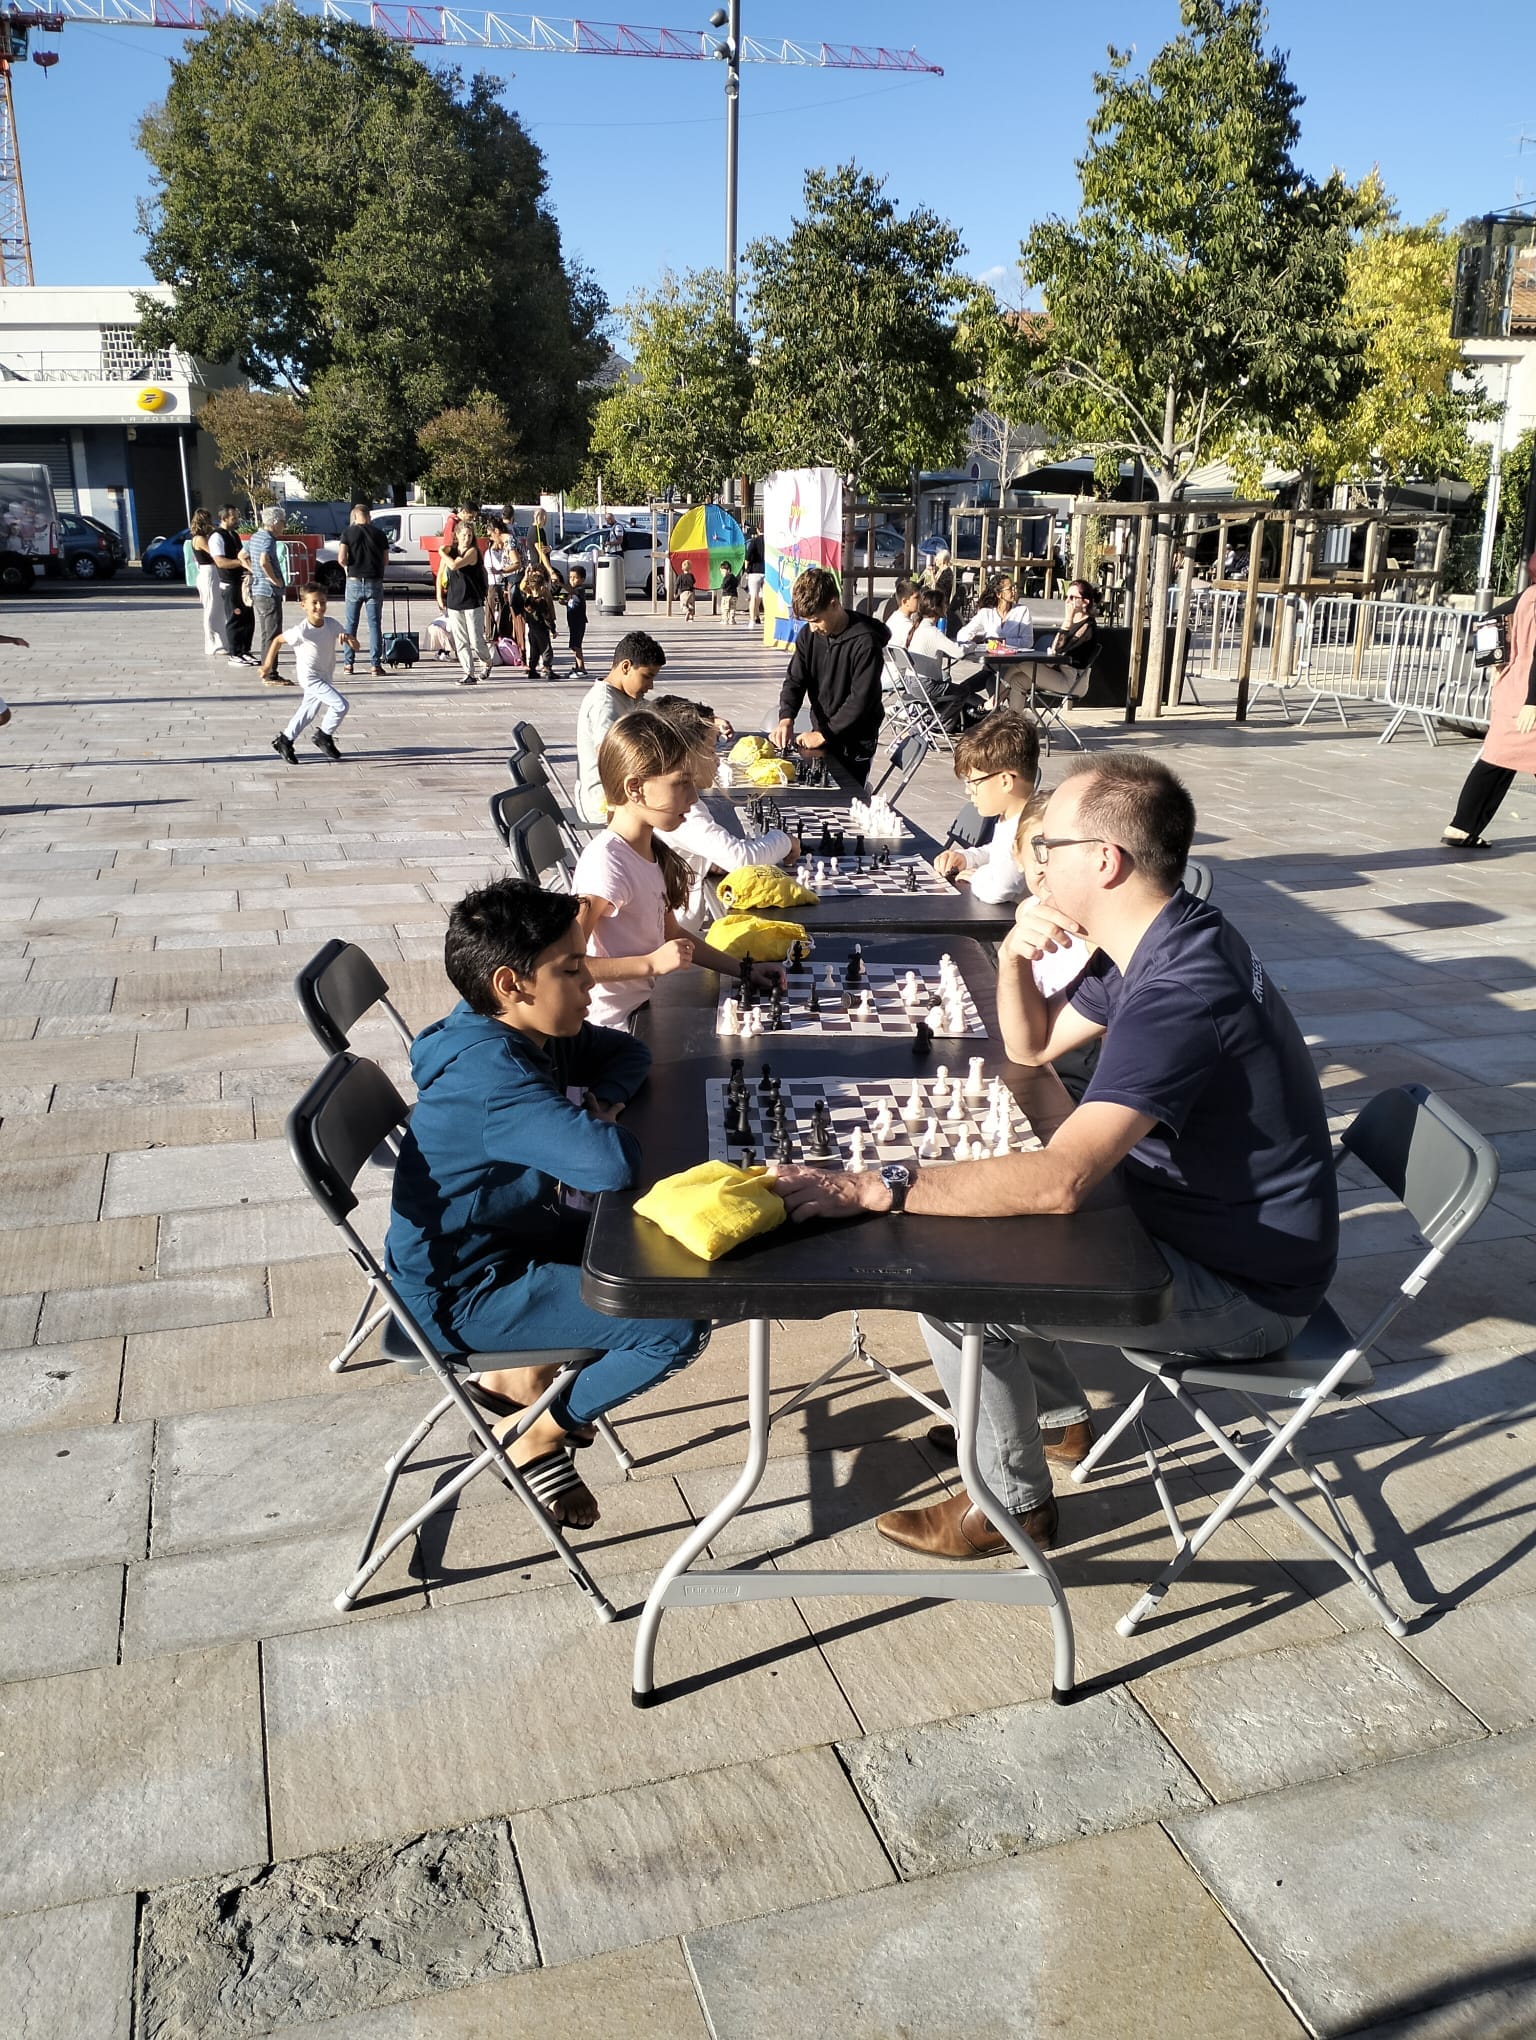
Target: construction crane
428	28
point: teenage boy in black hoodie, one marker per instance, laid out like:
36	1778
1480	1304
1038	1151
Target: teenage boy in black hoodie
836	666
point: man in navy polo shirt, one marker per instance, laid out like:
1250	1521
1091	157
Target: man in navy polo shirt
1204	1098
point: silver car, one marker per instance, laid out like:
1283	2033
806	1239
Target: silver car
587	551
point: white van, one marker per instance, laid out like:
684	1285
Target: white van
406	525
29	525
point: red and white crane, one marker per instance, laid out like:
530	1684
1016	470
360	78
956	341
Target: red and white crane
424	27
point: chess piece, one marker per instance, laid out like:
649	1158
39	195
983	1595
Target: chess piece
914	1108
858	848
956	1110
821	872
922	1038
813	1003
776	1012
941	1084
837	844
744	984
831	979
974	1086
765	1081
738	1084
911	989
962	1149
885	1121
1002	1145
797	956
730	1018
824	847
911	884
820	1148
867	1005
855	971
931	1141
856	1151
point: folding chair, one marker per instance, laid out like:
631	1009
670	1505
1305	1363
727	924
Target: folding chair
913	704
348	1113
530	774
969	830
902	761
541	853
338	985
514	802
1047	704
526	739
1443	1172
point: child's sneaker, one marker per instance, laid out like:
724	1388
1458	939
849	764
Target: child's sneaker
282	743
325	742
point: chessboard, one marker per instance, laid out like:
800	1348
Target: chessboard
807	819
921	1127
899	993
869	878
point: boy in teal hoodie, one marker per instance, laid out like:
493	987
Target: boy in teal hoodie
480	1243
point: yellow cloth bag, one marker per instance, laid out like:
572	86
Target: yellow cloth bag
773	772
751	935
762	885
712	1208
747	750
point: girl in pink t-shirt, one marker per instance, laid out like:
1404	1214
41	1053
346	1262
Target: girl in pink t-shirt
632	885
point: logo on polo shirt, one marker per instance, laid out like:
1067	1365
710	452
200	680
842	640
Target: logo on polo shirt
1258	980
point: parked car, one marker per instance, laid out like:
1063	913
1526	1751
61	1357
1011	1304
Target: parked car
88	549
587	551
162	558
890	547
966	547
405	525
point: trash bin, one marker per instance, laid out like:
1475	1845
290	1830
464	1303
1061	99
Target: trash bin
610	584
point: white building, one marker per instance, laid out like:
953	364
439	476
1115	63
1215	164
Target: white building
115	426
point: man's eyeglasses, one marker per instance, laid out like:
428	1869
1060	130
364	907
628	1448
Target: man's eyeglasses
1044	845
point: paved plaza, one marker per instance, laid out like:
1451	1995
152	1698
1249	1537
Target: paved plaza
226	1810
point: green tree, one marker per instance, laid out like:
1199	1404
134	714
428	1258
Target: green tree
391	242
471	452
1514	488
678	422
1417	399
255	435
859	365
1199	292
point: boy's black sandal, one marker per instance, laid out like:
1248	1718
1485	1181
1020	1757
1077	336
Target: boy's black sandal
497	1405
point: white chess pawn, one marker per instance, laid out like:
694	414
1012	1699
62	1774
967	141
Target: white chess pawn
821	871
931	1142
914	1108
730	1018
802	874
941	1085
962	1149
867	1005
1002	1145
911	989
830	980
974	1086
856	1150
885	1122
954	1018
956	1107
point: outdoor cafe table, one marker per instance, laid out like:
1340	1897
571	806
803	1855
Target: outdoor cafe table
1095	1267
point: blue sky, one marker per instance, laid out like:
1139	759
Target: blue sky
1437	98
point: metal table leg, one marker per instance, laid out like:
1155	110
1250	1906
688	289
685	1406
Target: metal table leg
1035	1586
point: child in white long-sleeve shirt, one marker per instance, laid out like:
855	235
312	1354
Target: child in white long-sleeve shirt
313	643
998	762
709	838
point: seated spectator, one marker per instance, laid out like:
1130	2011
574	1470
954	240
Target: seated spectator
999	617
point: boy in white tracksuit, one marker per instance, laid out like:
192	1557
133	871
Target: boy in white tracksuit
313	644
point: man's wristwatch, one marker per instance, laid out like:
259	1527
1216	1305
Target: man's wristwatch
897	1178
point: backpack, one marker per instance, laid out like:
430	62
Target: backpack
505	652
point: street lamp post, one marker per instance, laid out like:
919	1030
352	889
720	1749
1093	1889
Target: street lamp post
729	18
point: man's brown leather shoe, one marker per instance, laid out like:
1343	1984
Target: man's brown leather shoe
958	1529
1067	1445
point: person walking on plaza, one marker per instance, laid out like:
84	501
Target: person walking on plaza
730	588
836	666
539	622
363	555
464	597
210	591
687	591
576	619
1510	745
752	574
227	551
267	584
313	643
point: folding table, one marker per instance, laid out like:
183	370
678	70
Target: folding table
1095	1267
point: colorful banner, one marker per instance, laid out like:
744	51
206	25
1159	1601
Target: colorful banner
802	527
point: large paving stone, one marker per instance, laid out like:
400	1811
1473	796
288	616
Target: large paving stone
70	1498
76	1256
954	1793
381	1728
227	1957
18	1318
60	1622
45	1387
1105	1939
53	1191
719	1845
191	1241
1364	1894
1486	1653
633	1994
314	1463
126	1778
255	1360
217	1175
1257	1724
153	1306
68	1974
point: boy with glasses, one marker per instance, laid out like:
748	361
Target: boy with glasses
998	763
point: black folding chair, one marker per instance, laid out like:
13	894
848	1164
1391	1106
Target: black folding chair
346	1116
338	985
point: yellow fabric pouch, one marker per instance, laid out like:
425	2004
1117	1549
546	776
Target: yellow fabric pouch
773	772
750	935
747	750
762	885
712	1208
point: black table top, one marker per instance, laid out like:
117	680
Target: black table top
950	914
1096	1267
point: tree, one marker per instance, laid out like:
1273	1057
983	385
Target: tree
255	435
1003	341
1200	289
679	421
471	452
1411	414
376	263
859	366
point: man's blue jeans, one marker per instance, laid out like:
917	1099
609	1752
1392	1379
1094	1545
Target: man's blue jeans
366	597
